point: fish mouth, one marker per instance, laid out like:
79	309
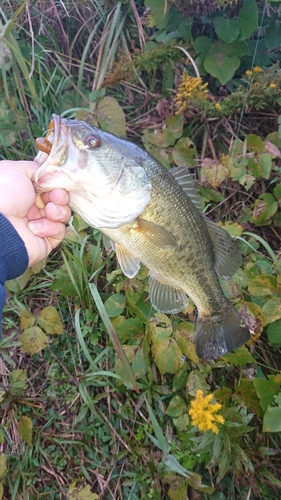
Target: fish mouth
53	152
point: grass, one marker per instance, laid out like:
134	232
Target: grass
78	418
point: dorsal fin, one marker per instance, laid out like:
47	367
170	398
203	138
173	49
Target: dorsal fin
187	182
227	255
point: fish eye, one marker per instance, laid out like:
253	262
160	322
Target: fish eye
93	141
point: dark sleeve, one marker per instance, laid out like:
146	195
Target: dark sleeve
13	257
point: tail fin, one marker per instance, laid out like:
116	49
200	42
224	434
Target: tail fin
218	334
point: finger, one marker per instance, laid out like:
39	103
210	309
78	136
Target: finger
47	229
58	196
28	167
35	213
57	213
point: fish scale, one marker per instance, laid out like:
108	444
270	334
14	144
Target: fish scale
152	216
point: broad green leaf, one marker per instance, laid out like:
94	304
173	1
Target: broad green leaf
221	66
274	332
159	327
167	355
161	138
178	490
226	29
115	304
266	389
3	466
159	153
25	429
182	422
273	35
272	420
240	357
177	407
18	284
184	335
245	394
159	15
49	320
26	319
140	364
111	116
184	152
248	19
196	381
277	191
262	285
264	208
17	381
213	172
33	340
202	45
175	125
272	309
127	329
266	165
254	143
79	491
62	282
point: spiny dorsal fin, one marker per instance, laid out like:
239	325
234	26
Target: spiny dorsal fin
156	234
187	182
166	298
227	255
128	263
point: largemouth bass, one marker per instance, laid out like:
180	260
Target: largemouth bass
152	216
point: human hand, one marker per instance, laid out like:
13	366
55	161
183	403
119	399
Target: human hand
40	221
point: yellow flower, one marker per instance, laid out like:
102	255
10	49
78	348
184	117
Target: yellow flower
203	413
189	86
217	105
248	72
257	69
272	86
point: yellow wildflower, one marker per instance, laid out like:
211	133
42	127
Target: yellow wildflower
203	413
248	72
189	87
272	86
217	105
257	69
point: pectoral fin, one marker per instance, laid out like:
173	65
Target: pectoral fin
156	234
128	263
165	298
227	255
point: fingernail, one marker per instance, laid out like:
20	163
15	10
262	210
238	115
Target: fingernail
58	211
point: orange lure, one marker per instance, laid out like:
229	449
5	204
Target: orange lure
42	143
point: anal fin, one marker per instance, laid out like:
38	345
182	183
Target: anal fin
165	298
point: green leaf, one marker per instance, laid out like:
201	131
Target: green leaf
17	381
115	304
18	284
213	172
127	328
277	191
248	19
167	355
272	420
49	320
266	165
274	332
226	29
177	407
254	143
221	66
25	429
196	381
264	208
262	285
202	45
272	309
159	327
240	357
178	490
266	389
175	125
33	340
182	422
3	466
79	491
26	319
111	116
245	394
183	153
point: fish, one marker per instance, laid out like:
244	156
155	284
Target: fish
152	216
